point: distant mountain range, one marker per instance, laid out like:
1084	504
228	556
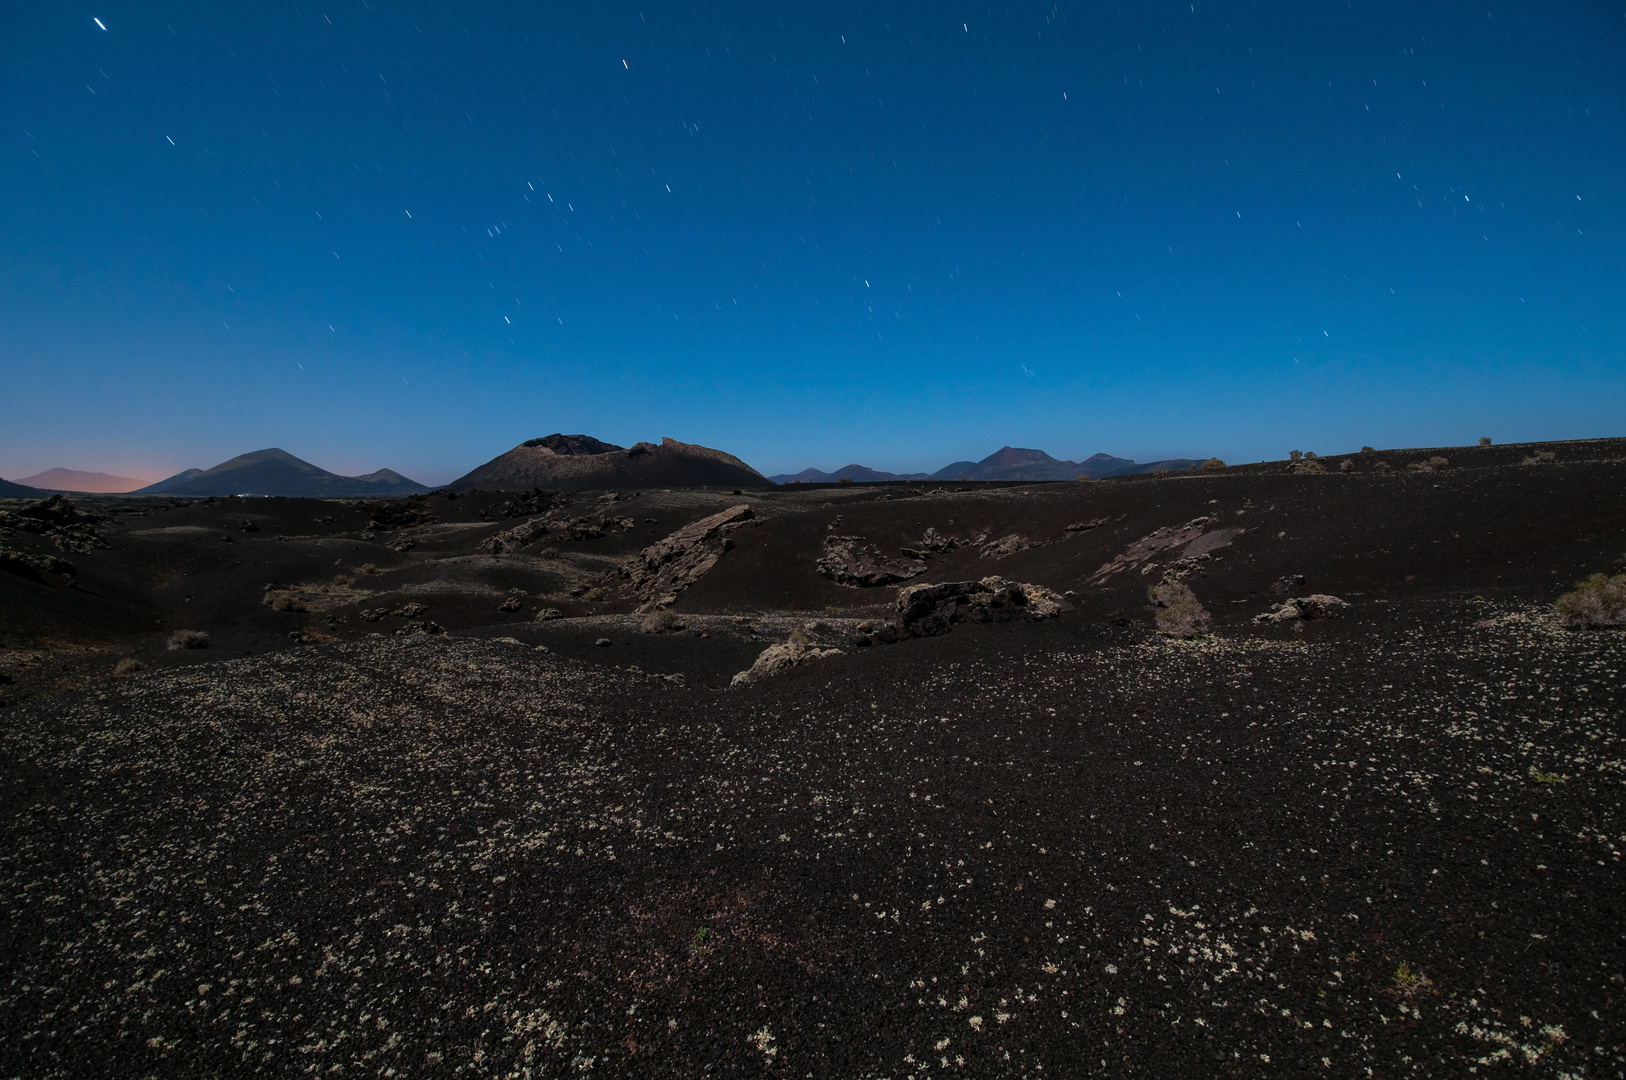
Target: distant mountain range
277	472
76	481
583	463
564	462
858	474
1006	463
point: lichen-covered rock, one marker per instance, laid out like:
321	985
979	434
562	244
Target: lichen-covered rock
782	657
1314	606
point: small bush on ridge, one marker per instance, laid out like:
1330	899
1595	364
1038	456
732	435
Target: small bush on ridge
1177	609
1598	601
660	621
284	600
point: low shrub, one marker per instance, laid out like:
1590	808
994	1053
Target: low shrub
593	595
843	480
660	621
284	600
1433	464
1368	450
1177	610
548	553
1212	463
128	666
1408	983
1484	440
187	639
1598	601
1540	457
367	568
342	581
1346	465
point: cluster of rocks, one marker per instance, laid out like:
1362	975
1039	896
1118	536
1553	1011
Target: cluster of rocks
665	568
928	610
405	611
552	530
56	519
1314	606
28	563
1007	545
386	515
849	561
932	543
536	501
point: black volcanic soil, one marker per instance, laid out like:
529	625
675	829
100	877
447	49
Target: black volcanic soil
1385	844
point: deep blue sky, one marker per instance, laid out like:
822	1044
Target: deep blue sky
388	234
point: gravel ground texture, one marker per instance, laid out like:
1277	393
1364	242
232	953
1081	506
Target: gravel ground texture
1015	850
422	808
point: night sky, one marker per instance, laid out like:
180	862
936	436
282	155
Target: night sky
386	234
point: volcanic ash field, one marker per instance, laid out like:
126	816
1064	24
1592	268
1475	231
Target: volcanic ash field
474	786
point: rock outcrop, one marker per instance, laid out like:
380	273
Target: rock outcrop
848	561
550	530
777	658
1314	606
667	567
55	519
928	610
583	463
1006	545
1193	539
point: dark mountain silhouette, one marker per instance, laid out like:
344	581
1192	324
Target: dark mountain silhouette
583	463
277	472
1006	463
858	474
10	490
76	481
1016	463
